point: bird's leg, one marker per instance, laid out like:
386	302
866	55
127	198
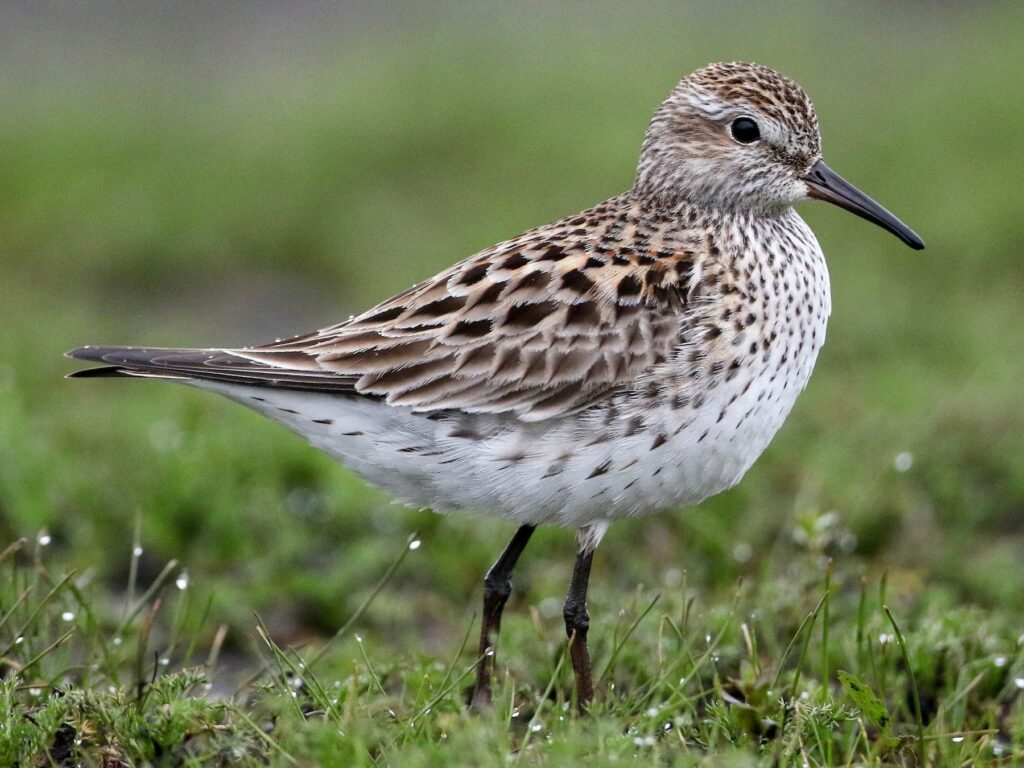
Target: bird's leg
577	622
497	588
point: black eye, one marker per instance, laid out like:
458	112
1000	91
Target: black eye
745	130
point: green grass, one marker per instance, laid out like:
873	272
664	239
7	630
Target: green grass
805	666
208	181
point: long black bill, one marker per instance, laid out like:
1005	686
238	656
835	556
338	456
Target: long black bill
825	184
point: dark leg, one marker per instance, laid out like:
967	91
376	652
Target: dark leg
497	588
577	622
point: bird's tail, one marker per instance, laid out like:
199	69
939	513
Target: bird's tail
223	365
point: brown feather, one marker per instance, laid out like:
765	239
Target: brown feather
538	321
541	325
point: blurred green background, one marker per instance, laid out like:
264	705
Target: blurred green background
184	174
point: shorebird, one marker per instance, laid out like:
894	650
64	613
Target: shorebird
635	357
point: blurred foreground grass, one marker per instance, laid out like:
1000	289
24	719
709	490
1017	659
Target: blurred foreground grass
255	185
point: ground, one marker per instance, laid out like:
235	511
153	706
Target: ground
177	565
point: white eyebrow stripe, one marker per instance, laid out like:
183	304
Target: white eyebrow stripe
712	107
704	101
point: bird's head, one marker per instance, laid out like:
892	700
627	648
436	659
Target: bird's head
743	137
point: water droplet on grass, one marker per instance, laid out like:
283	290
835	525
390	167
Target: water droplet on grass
68	616
903	461
137	552
958	739
415	544
999	661
182	581
550	607
44	538
1019	682
742	552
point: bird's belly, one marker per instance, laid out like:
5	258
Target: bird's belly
580	469
574	470
715	447
589	471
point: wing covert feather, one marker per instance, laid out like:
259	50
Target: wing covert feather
541	325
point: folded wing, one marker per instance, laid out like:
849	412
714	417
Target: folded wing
538	326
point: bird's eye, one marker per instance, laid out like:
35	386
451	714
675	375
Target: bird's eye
745	130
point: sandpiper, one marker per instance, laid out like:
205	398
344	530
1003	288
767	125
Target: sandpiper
635	357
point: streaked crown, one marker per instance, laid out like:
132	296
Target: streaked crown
736	136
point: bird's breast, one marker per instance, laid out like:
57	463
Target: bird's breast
693	426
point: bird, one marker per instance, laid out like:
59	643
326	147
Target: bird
633	358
